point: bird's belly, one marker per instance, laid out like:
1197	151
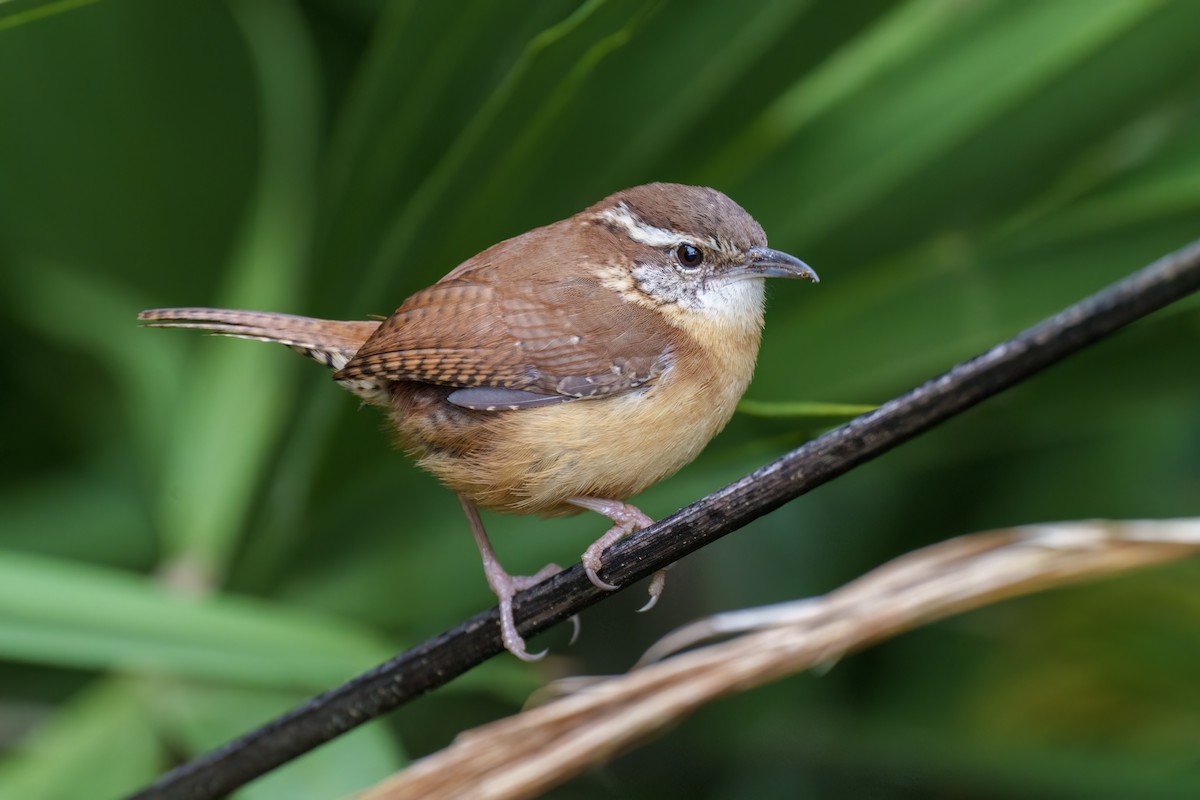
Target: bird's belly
530	461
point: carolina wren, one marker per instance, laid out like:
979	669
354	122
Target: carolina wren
567	368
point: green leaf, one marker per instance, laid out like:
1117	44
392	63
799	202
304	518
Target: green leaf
764	408
74	615
893	39
100	743
236	398
961	78
148	371
89	515
22	12
200	717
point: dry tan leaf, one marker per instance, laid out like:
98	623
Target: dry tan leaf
594	719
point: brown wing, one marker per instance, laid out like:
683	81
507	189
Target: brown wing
560	340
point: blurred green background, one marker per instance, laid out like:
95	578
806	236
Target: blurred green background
196	534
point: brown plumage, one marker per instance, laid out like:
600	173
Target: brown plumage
566	368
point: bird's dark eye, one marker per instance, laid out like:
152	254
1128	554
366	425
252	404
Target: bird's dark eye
688	255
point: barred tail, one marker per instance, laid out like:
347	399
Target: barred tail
328	342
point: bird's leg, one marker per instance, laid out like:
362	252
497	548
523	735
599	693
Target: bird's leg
504	585
627	519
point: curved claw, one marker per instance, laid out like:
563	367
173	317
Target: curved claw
524	655
513	641
627	519
599	582
506	586
657	582
576	627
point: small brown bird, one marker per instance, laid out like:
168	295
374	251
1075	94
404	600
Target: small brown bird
567	368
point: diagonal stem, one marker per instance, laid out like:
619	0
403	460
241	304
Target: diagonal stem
444	657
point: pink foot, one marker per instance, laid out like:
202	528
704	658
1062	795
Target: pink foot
627	519
504	585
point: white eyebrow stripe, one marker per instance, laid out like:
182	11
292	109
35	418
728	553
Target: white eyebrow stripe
641	232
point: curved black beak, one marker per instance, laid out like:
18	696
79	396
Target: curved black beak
767	263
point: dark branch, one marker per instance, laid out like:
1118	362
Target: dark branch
447	656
